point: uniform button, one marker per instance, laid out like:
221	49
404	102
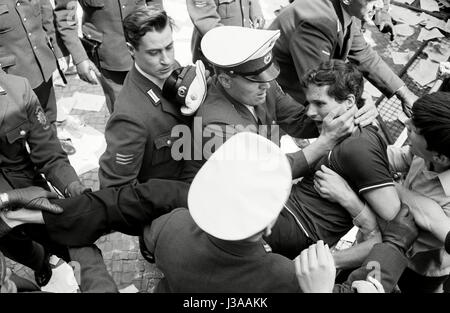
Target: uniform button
18	4
22	132
123	7
89	35
24	19
169	142
34	47
29	34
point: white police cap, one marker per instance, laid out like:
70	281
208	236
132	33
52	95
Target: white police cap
241	189
243	51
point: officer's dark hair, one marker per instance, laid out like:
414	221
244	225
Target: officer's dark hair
431	117
342	78
144	20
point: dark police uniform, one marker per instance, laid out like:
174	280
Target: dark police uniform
207	14
22	122
24	47
66	27
194	261
127	209
313	32
138	135
102	22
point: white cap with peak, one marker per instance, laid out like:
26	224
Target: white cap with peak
242	51
241	189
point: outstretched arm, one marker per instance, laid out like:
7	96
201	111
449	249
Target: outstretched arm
89	216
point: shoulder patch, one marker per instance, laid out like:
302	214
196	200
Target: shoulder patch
41	117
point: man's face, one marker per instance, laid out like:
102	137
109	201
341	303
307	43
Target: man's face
418	142
155	54
247	92
320	104
362	8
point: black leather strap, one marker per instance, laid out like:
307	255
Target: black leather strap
447	243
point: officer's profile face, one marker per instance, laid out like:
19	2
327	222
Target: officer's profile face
243	90
155	54
361	8
320	103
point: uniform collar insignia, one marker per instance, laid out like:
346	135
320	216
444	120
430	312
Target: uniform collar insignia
267	247
154	97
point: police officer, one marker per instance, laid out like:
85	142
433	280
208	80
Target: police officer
207	14
138	133
26	47
244	95
23	125
102	23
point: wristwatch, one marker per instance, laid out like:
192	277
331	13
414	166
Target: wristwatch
4	200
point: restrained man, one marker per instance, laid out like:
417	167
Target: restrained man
317	31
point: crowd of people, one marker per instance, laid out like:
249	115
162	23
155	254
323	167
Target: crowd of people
193	164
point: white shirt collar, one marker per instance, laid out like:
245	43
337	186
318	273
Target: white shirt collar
149	77
347	18
252	110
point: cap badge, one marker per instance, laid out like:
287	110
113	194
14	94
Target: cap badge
268	58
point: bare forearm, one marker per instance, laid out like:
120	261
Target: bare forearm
316	150
354	256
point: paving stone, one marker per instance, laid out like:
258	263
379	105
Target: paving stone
116	267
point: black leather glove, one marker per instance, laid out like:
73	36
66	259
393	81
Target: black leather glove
402	230
34	198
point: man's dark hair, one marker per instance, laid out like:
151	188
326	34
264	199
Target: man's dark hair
431	117
342	78
144	20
